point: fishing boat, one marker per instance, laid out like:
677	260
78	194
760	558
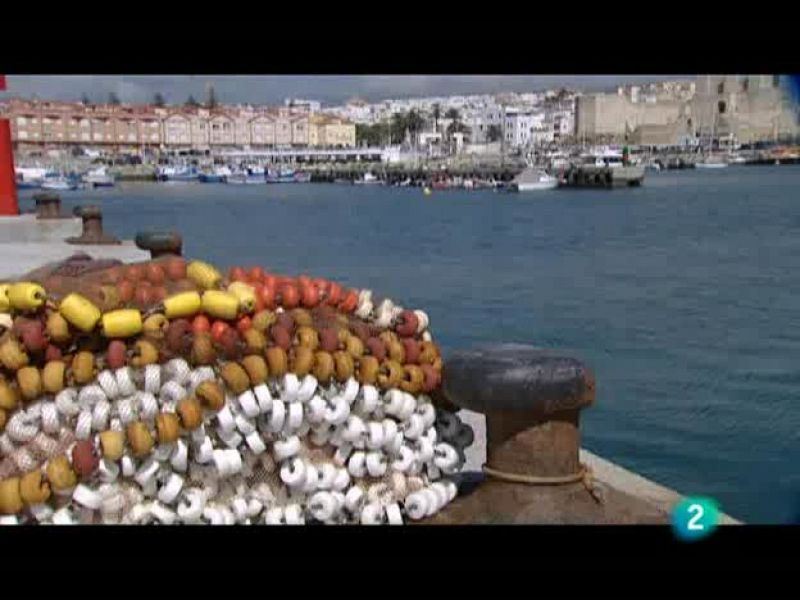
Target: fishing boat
245	178
533	179
172	173
99	177
29	184
217	175
287	176
60	184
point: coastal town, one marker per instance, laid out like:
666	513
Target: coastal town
174	350
471	141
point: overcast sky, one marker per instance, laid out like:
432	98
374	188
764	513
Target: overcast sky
271	89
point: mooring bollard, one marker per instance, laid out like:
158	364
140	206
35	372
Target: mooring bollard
160	243
532	399
92	233
48	206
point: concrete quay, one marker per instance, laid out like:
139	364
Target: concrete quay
27	243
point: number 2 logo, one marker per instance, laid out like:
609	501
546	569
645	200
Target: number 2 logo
698	512
694	518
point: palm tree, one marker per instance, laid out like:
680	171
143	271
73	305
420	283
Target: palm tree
113	98
452	113
437	112
158	99
190	101
211	97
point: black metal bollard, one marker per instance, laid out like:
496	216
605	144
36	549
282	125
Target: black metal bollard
92	232
48	206
532	400
160	243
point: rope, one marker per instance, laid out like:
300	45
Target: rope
584	475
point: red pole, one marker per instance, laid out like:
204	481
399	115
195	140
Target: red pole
8	183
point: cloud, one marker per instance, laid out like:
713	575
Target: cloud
273	89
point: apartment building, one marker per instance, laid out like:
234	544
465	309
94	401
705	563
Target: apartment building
52	123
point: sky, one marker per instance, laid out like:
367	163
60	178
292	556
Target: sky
273	89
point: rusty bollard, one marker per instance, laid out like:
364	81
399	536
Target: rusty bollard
532	400
92	233
160	243
48	206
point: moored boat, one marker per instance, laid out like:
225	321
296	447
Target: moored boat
99	177
287	176
171	173
60	184
368	179
532	179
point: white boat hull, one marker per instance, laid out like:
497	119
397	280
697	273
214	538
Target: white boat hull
711	165
536	187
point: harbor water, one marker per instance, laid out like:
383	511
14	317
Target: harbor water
683	295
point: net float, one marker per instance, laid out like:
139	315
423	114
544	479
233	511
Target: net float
203	275
350	302
57	328
80	312
134	273
220	304
245	294
122	323
175	268
5	303
25	296
289	296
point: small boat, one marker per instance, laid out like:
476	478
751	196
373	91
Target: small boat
737	159
218	175
711	162
241	178
531	180
99	178
60	184
287	176
28	184
427	191
171	173
368	179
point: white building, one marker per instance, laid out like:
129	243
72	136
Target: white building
479	120
520	125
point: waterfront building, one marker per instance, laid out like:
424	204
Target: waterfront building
331	132
179	127
729	108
